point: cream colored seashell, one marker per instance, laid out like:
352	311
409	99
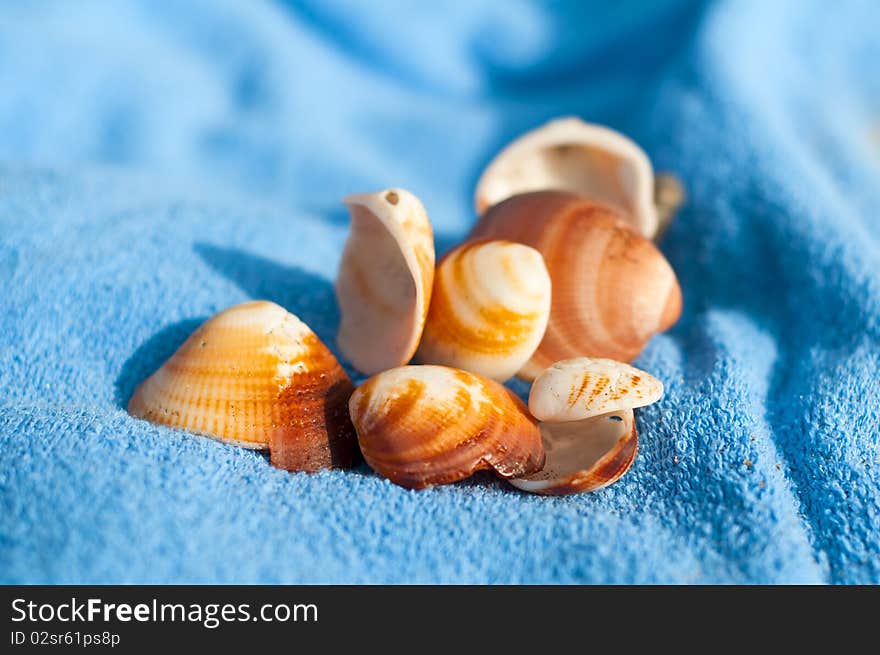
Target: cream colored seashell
587	425
612	288
256	376
568	154
583	456
489	309
385	279
575	389
426	425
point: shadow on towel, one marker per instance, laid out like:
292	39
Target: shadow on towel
150	355
305	294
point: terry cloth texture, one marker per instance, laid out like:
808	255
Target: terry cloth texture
164	160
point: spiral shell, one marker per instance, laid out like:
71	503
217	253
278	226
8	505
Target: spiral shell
489	309
256	376
385	278
568	154
587	425
612	288
427	425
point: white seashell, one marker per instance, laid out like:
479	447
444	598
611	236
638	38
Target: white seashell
576	389
385	279
585	406
489	309
568	154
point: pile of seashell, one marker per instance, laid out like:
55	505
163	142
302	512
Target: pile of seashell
558	283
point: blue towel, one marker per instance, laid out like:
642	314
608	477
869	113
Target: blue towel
160	161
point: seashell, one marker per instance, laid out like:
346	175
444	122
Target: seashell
426	425
489	309
612	288
669	196
584	455
586	410
256	376
576	389
385	279
568	154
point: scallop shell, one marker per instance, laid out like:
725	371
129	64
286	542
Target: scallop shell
584	455
612	288
585	406
426	425
489	309
256	376
385	279
568	154
584	387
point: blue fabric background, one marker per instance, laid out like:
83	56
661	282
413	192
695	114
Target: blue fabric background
160	161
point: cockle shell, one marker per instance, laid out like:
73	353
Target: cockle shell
586	410
426	425
385	279
568	154
612	288
489	309
575	389
584	455
256	376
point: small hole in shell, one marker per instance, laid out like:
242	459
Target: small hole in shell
392	198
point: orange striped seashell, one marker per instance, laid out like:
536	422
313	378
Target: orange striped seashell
256	376
489	309
420	426
568	154
385	279
587	425
612	288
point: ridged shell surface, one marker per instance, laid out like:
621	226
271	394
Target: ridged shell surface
489	309
256	376
612	288
584	455
576	389
568	154
385	278
427	425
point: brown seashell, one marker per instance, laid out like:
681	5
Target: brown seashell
426	425
584	455
489	309
568	154
256	376
587	424
385	278
612	288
